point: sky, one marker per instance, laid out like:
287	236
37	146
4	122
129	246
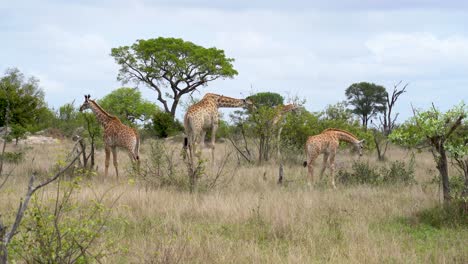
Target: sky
310	49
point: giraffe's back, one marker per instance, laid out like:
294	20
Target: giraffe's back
321	143
120	135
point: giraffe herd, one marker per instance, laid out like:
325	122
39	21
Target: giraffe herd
203	117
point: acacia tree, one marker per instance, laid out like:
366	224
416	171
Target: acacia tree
433	129
172	67
368	100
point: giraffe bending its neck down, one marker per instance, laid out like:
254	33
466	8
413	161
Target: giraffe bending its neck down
278	121
116	134
327	144
204	116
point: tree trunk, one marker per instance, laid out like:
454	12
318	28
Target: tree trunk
465	172
281	173
442	166
174	106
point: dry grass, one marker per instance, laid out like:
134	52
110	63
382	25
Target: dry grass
253	220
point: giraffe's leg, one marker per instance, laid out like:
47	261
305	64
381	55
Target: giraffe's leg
213	142
332	169
310	168
278	143
106	163
324	164
114	155
202	139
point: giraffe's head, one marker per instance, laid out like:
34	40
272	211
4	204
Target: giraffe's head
248	103
86	103
359	146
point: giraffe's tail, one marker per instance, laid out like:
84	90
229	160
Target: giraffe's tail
304	164
137	148
185	142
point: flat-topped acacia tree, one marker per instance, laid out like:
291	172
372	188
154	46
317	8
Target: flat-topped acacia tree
172	67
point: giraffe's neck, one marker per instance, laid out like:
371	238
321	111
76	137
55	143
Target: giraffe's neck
224	101
345	136
102	116
282	111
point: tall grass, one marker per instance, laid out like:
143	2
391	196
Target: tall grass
250	218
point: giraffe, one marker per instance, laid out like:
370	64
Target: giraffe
116	134
327	143
204	116
278	121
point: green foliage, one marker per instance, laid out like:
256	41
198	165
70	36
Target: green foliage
300	126
427	125
363	173
17	132
164	125
266	99
451	215
163	63
67	232
128	105
12	157
338	111
23	98
368	99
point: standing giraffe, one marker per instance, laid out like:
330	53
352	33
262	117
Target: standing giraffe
204	116
116	134
278	121
327	143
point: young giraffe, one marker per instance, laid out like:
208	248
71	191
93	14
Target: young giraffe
116	134
327	143
204	116
278	121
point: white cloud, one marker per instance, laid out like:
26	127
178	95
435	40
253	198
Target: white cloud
419	50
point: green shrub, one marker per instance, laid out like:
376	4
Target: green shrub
364	173
164	125
65	232
12	157
451	215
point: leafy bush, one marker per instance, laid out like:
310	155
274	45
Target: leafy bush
67	232
164	125
12	157
453	214
364	173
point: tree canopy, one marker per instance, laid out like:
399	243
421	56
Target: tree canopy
21	97
172	67
128	105
368	99
267	99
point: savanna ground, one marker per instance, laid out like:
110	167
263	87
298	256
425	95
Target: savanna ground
248	218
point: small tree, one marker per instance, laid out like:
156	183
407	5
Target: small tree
260	121
23	96
171	67
368	100
387	122
434	129
128	105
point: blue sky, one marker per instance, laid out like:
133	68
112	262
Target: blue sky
310	49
